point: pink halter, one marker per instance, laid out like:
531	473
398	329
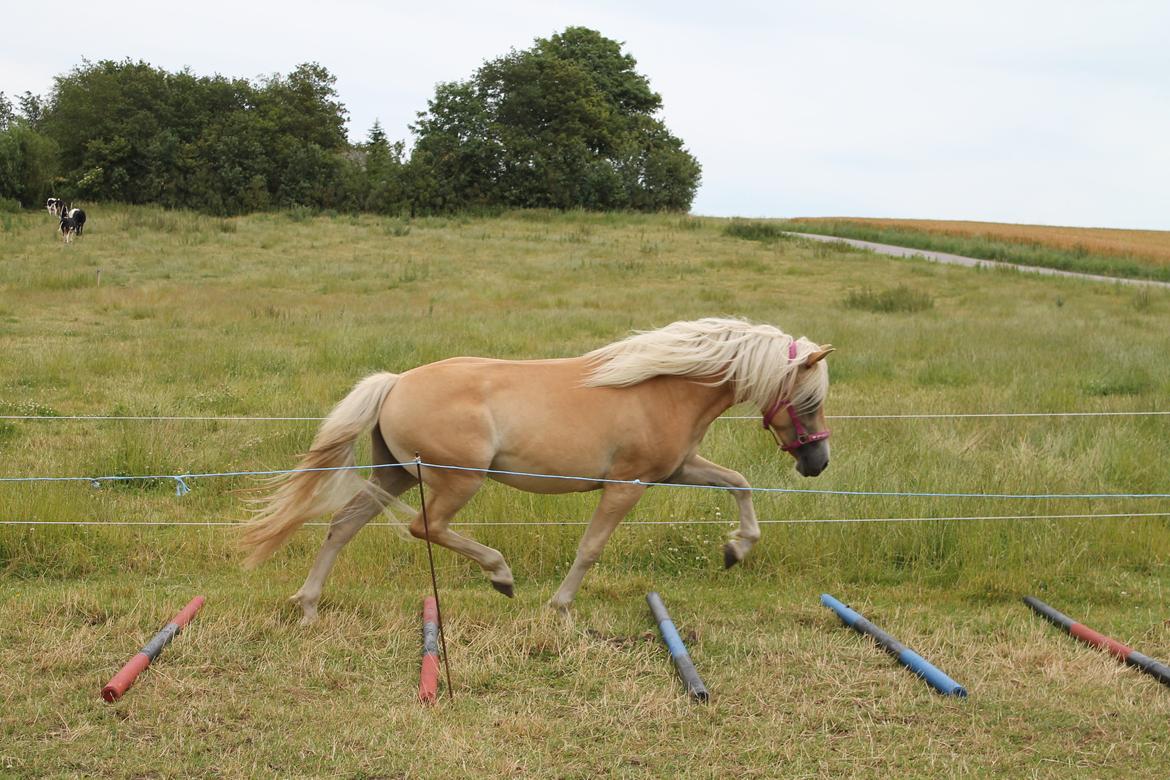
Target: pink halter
803	437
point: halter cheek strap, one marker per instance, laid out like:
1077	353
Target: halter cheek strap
803	437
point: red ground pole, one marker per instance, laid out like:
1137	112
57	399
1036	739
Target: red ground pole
126	676
1123	652
428	680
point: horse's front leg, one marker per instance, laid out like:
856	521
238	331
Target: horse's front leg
699	471
616	502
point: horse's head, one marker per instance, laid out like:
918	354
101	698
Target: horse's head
799	424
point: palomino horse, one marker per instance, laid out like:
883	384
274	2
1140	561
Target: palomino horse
633	412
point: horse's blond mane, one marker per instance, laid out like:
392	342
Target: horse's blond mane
752	357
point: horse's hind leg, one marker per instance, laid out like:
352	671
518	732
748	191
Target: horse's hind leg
446	495
366	505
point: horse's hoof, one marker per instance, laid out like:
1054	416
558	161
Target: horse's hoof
729	556
505	588
563	612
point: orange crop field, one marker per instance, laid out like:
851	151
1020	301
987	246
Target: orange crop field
1148	244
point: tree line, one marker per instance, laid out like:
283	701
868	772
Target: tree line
567	123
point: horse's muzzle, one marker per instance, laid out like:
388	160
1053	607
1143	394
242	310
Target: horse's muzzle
812	459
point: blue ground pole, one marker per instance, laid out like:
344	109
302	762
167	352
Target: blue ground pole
678	651
907	657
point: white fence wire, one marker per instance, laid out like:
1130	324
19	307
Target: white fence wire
182	488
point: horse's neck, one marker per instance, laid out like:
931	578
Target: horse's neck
699	402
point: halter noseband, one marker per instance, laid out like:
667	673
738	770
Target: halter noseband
803	437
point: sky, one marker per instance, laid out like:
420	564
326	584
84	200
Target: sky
1034	112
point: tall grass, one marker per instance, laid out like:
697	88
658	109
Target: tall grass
901	298
754	230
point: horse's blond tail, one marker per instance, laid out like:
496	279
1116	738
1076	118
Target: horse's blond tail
302	495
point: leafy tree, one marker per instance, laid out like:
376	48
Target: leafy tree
131	132
305	123
28	163
103	116
230	166
32	108
305	104
385	176
6	112
28	160
568	123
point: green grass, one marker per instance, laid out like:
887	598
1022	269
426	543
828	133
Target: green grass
754	230
1030	253
901	298
280	314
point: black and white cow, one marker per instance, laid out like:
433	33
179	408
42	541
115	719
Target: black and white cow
69	228
78	217
55	206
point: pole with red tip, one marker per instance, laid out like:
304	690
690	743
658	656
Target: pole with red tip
428	681
134	667
1122	652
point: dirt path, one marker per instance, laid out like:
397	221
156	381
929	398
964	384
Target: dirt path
972	262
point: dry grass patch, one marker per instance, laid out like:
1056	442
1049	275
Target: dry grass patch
1153	245
245	691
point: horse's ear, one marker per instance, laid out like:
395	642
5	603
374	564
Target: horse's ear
816	357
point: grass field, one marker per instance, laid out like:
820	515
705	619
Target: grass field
280	314
1141	254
